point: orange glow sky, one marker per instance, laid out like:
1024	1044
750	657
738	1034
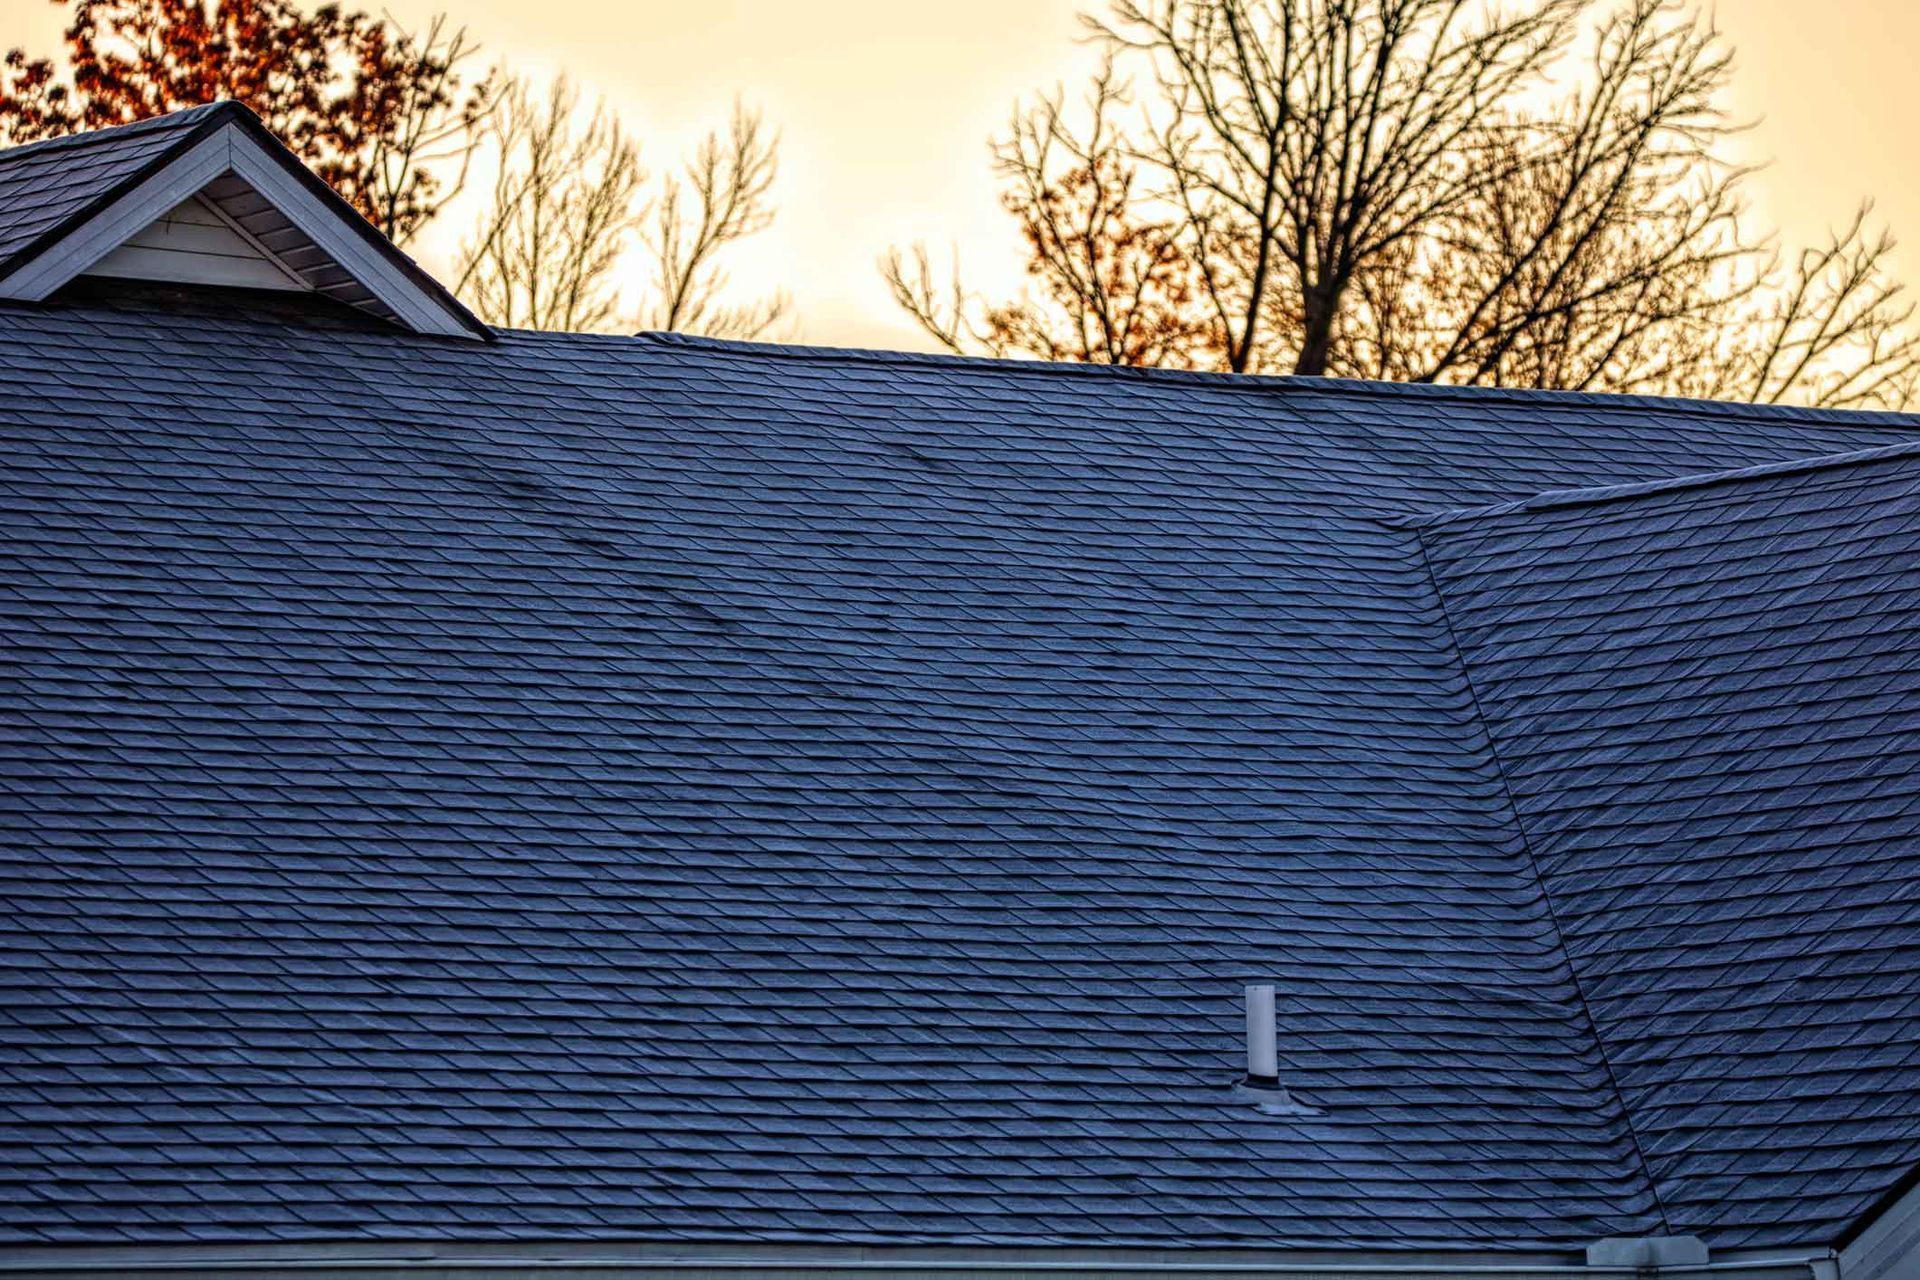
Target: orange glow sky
886	105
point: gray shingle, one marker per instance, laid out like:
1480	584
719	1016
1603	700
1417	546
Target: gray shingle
1704	699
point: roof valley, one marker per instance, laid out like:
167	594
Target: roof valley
1485	727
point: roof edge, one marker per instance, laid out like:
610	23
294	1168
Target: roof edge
145	124
1568	499
1884	1205
375	1260
216	116
1876	419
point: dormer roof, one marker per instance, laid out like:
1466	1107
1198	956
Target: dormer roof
202	197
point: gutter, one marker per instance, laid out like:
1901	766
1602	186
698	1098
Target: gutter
1417	1267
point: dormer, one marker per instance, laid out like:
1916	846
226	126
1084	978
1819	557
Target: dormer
202	197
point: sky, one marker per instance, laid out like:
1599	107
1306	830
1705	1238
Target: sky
885	108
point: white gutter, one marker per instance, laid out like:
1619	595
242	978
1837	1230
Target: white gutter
1431	1267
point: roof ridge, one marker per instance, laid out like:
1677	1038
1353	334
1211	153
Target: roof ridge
1873	418
1563	499
147	124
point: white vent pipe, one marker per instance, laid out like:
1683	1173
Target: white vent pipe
1263	1038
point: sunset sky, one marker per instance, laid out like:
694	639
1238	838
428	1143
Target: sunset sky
885	107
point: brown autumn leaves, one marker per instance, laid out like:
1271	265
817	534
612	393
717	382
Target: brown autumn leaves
1533	193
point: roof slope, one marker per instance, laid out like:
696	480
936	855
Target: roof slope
1705	700
665	789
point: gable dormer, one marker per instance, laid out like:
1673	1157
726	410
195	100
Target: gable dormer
202	197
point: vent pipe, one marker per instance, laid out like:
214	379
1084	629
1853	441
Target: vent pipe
1262	1086
1263	1038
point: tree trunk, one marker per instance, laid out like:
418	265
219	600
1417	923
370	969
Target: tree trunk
1316	343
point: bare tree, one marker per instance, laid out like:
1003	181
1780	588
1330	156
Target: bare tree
1394	189
570	211
723	196
1321	134
1834	331
1116	285
1611	246
436	129
564	208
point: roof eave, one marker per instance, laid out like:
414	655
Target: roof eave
578	1260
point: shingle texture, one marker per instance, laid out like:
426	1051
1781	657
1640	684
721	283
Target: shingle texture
1705	702
661	789
45	184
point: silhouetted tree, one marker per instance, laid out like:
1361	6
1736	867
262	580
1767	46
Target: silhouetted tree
1391	189
1117	284
569	208
384	116
1834	330
564	207
722	196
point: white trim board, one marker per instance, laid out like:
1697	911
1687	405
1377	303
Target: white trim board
107	230
1889	1248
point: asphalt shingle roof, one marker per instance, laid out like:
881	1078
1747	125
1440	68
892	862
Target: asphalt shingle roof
665	789
1704	700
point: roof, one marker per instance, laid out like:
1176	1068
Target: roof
1701	697
658	789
